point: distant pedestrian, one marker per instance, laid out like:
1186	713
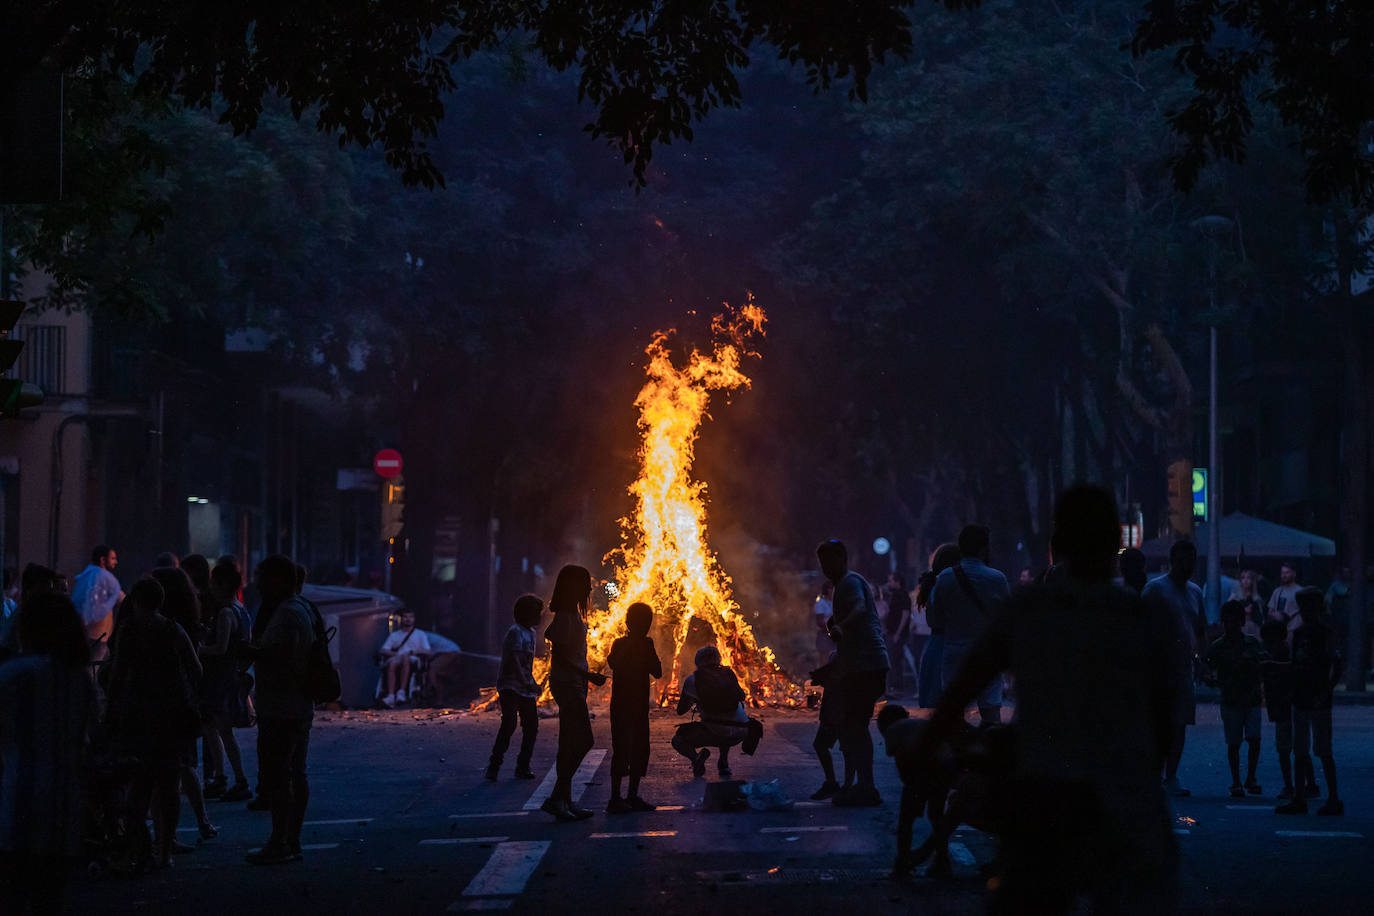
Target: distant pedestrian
166	560
968	596
633	662
1131	561
1278	697
1236	661
517	690
1338	599
930	676
1247	593
828	734
1317	668
821	611
1283	604
223	655
897	629
96	594
1088	817
860	676
1183	598
1025	577
46	707
568	679
713	690
284	705
401	653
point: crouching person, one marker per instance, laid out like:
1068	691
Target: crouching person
714	691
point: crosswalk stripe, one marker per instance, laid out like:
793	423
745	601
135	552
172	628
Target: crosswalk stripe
491	814
508	869
340	820
585	771
1325	833
463	840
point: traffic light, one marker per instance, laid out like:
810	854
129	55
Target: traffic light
14	395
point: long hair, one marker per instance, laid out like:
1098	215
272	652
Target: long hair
945	556
181	603
570	589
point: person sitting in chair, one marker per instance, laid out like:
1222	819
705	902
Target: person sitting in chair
715	692
400	654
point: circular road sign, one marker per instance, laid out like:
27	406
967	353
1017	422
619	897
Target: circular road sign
387	463
881	546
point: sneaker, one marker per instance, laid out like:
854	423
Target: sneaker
1314	791
491	772
857	797
259	804
389	701
1334	807
639	804
1296	806
214	788
580	812
402	697
239	792
1173	788
524	773
270	855
827	790
699	764
618	805
1237	791
1253	788
207	833
558	808
1285	793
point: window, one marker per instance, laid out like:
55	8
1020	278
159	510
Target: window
43	361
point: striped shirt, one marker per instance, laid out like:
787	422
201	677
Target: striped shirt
44	709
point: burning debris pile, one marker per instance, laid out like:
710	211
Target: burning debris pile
664	559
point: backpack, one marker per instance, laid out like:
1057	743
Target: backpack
321	677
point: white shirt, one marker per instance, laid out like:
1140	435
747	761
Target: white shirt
417	644
94	593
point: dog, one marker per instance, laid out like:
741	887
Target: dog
963	784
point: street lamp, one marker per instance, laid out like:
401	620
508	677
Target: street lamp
1214	228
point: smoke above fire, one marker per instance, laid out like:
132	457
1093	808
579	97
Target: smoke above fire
665	559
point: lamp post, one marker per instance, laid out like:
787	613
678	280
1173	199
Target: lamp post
1214	228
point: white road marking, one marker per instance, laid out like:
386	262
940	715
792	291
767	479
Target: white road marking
812	804
959	853
828	828
619	836
309	846
492	814
1334	833
585	771
461	840
1266	808
341	820
1182	832
508	869
497	904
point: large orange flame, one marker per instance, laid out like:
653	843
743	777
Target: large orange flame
664	559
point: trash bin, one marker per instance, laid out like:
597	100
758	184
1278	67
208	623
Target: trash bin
363	619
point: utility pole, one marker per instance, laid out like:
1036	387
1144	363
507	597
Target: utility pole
1214	228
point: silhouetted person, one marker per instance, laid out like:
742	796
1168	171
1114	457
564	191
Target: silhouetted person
46	706
897	629
713	690
930	679
223	655
517	690
828	733
568	679
1277	673
1317	668
285	708
1237	663
1283	604
968	595
1132	563
633	661
1183	598
1093	717
860	675
166	560
152	713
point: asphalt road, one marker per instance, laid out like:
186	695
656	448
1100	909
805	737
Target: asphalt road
402	821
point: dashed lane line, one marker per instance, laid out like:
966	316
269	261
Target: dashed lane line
463	840
819	828
624	836
1266	808
585	771
491	814
1321	833
339	820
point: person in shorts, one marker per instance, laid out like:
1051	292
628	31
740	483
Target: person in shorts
1235	662
1277	674
1317	668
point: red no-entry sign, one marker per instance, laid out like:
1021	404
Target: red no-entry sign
387	463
